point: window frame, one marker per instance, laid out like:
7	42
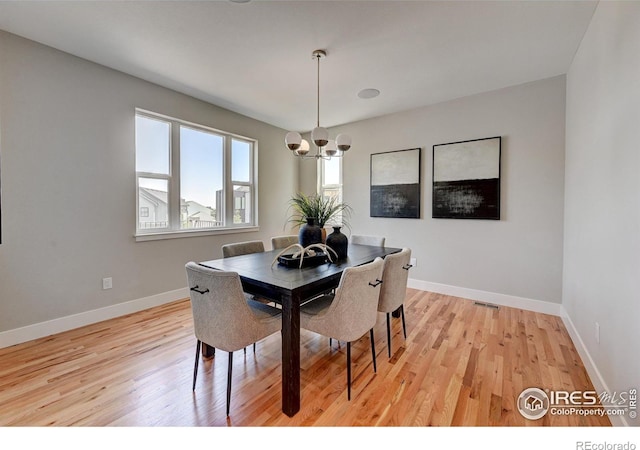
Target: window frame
251	183
320	174
321	187
173	229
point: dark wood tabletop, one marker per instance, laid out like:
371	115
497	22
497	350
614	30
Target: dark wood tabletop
290	287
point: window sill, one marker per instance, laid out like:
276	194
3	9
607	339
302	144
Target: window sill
189	233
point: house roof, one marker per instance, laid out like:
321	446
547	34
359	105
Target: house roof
154	195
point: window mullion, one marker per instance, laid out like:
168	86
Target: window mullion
174	178
228	184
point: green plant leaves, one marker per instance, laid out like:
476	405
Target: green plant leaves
323	209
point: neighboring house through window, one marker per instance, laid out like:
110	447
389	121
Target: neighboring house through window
192	178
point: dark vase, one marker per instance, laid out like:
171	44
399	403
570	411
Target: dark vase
338	242
310	233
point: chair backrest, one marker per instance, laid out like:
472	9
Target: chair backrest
394	280
283	241
221	316
367	240
242	248
354	309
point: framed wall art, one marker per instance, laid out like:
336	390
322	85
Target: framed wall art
466	179
395	184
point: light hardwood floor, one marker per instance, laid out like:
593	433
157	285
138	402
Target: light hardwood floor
461	364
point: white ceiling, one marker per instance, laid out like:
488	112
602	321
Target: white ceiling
255	58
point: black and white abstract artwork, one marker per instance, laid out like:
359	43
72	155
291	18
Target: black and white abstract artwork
395	184
466	179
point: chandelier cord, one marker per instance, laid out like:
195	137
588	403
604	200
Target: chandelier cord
318	109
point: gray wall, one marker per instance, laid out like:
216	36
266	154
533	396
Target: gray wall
66	143
520	255
602	202
68	185
66	135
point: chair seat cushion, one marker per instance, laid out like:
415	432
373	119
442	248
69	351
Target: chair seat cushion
263	311
317	306
259	299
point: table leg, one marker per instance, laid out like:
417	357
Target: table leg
290	354
207	351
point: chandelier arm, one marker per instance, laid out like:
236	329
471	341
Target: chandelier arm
319	156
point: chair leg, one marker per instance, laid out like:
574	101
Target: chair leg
195	369
404	325
348	370
373	349
388	336
254	345
229	381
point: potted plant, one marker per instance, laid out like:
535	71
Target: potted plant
322	210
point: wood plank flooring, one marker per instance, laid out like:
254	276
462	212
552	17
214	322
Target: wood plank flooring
461	365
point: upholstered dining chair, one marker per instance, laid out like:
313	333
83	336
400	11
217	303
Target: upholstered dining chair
394	288
223	318
367	240
349	313
242	248
283	241
245	248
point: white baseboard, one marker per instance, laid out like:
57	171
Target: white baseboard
596	377
555	309
39	330
488	297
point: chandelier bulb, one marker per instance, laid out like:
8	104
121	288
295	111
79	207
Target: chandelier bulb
320	136
331	149
343	141
304	148
293	140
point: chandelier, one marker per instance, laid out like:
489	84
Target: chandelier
325	147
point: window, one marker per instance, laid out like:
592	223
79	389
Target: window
330	178
191	178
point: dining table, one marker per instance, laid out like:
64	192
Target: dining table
264	276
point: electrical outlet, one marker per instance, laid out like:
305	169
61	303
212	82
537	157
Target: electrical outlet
413	262
597	332
107	283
